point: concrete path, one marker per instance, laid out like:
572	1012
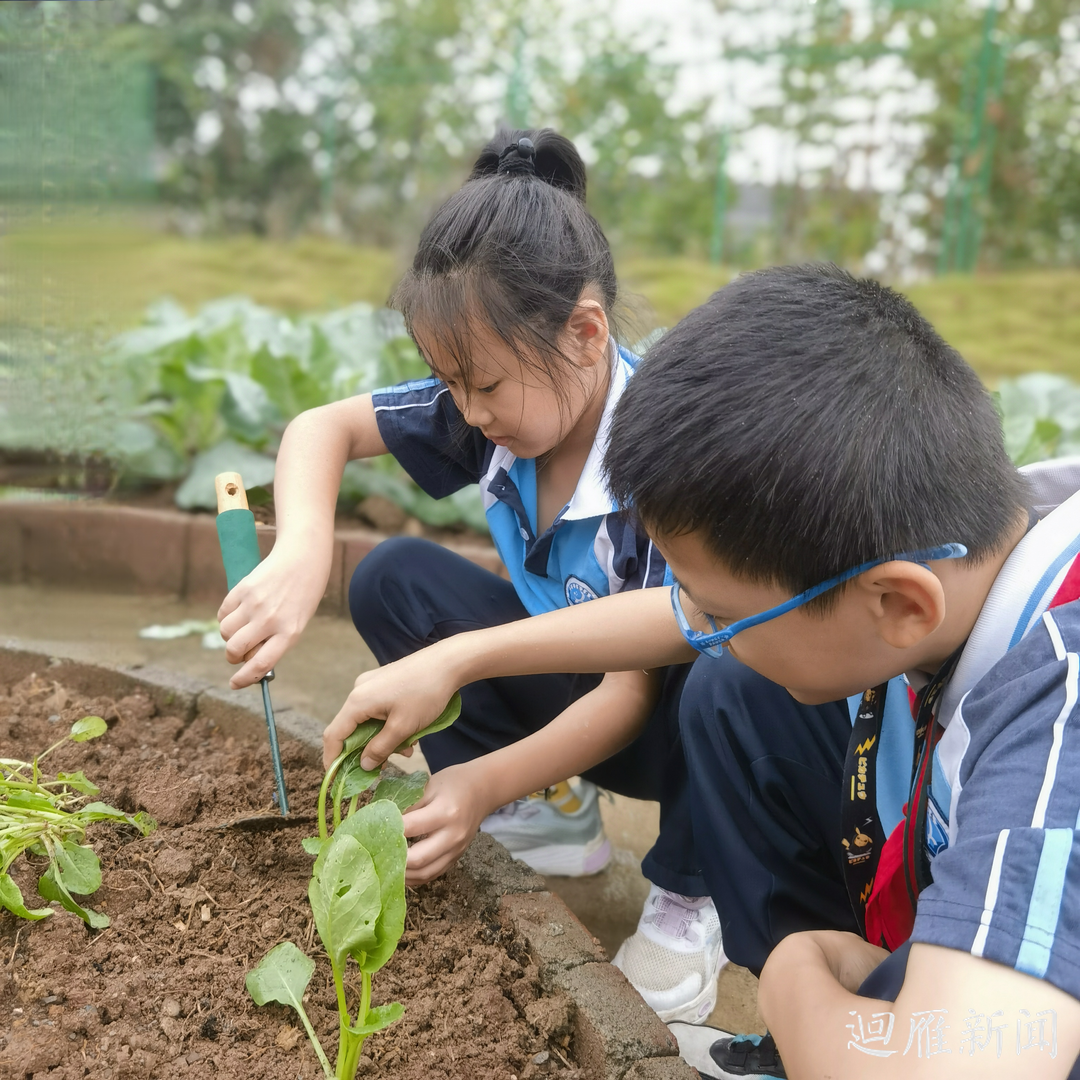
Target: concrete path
314	678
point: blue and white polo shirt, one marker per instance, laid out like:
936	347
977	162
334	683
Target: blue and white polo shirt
1003	815
590	550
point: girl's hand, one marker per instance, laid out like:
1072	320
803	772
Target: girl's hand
447	817
265	613
408	694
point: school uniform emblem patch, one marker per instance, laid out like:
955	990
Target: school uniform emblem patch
937	829
577	592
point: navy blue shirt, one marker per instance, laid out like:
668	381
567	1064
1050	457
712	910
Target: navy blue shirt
590	549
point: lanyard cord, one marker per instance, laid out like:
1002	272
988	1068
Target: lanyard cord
863	835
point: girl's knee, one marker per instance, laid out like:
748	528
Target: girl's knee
393	562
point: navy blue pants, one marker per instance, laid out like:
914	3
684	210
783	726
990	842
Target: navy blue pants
765	782
765	774
410	593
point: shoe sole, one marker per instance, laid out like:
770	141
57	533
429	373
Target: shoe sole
568	860
694	1042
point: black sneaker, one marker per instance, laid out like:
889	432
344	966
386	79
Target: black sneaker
719	1055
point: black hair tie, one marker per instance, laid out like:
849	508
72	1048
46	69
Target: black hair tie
518	158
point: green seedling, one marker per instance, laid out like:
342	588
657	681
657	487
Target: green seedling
50	818
357	895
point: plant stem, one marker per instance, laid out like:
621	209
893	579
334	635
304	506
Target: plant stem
320	1053
59	742
324	833
345	1038
365	999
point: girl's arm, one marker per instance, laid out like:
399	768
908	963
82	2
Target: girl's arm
627	632
458	798
269	609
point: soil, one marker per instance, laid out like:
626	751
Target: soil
160	992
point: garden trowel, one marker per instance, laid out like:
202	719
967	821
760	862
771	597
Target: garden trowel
240	554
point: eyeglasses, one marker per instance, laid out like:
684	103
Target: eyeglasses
713	644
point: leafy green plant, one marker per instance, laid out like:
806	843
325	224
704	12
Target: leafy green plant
1040	415
50	818
200	394
357	895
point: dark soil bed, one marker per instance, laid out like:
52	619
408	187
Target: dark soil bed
160	992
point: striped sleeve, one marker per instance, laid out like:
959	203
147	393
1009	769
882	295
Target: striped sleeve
1008	886
424	430
628	557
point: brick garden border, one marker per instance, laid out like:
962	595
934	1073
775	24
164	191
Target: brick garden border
123	549
616	1035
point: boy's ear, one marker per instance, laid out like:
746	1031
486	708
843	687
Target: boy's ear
906	602
587	331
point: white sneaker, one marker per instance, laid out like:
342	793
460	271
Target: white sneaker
675	956
557	832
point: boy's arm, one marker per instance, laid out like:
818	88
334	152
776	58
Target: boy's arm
956	1015
626	632
273	604
458	798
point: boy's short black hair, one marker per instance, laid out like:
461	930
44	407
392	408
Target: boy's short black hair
807	421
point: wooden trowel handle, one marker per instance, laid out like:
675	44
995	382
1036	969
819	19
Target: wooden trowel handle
230	492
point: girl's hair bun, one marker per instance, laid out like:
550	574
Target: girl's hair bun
553	159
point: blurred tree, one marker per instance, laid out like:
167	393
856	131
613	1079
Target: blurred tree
1001	156
922	133
360	118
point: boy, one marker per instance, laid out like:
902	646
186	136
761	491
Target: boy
826	480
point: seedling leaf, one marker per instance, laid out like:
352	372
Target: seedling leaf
344	894
99	811
78	782
379	829
282	975
11	898
402	791
361	736
89	727
381	1016
52	889
352	779
27	800
80	870
312	845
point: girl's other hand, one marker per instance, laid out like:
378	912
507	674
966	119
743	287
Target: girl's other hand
408	695
447	817
263	615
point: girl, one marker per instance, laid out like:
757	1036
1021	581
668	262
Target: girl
508	300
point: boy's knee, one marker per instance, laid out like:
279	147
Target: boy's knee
392	561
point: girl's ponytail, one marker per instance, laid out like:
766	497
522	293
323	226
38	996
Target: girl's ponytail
512	252
554	159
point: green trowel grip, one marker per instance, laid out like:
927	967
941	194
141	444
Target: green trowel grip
239	544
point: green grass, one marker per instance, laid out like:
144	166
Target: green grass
1008	324
1004	324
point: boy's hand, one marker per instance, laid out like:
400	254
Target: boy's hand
447	817
408	694
269	609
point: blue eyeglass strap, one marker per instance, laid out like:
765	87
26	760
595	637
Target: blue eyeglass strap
922	557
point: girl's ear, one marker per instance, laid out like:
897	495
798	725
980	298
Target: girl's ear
907	602
586	334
